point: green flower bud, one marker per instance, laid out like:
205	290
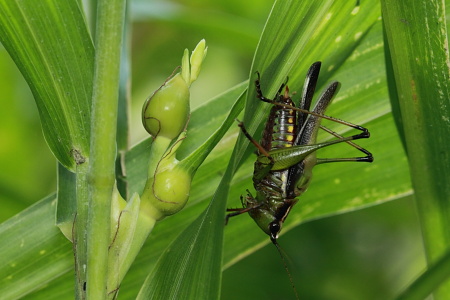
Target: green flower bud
167	111
167	190
171	190
197	57
165	115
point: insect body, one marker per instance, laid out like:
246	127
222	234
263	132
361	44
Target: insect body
287	152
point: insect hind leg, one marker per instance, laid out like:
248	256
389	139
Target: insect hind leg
364	134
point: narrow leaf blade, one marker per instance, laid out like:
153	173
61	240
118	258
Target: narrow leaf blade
418	47
49	42
33	250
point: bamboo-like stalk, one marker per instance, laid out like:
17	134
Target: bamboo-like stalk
101	178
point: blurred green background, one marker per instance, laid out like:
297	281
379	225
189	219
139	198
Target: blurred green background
374	251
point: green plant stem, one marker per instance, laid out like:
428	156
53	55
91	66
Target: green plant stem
111	17
159	147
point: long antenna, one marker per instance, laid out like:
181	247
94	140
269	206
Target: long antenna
274	241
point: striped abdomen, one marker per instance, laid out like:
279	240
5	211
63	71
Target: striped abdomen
279	132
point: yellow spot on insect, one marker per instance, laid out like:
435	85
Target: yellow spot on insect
290	138
42	252
290	128
290	120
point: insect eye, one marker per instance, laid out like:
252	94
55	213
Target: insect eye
274	228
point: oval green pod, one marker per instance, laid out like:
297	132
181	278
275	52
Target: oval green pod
166	193
171	190
166	112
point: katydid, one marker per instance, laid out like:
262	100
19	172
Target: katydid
287	152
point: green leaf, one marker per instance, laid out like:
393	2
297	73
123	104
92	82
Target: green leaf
62	90
335	189
67	202
422	91
123	130
33	250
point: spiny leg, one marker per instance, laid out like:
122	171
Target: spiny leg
308	91
318	111
262	173
365	132
259	93
292	156
239	211
322	103
309	88
367	158
253	141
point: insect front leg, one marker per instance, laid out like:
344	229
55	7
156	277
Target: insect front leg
255	143
259	93
264	171
249	204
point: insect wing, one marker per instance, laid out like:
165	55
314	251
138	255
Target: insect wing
309	87
308	132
